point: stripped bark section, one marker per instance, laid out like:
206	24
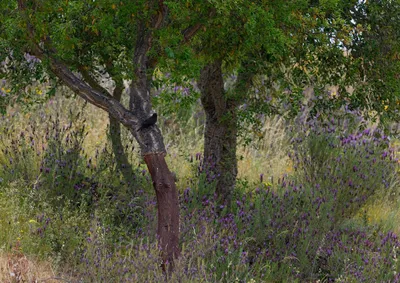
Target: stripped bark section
168	208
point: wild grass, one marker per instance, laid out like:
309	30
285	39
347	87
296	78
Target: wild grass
16	267
315	201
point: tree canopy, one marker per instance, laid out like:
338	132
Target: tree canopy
274	49
313	40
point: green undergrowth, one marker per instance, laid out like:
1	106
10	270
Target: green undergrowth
312	202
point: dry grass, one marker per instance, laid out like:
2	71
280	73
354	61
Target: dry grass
268	155
15	267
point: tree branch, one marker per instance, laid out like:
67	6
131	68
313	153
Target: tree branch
119	88
190	32
161	15
92	81
90	94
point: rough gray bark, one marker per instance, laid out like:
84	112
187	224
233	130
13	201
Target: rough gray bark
220	137
221	129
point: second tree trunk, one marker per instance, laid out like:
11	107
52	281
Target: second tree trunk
220	137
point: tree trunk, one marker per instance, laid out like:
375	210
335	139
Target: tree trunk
163	182
121	158
168	213
123	164
153	151
220	137
150	139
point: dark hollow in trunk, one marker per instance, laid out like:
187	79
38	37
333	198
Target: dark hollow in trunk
168	208
220	137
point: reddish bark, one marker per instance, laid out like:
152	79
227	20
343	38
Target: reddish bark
168	208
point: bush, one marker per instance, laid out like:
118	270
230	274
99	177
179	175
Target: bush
347	162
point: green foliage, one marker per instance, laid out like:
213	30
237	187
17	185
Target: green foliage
291	43
175	97
376	44
82	34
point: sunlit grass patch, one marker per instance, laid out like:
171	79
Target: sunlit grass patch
384	214
266	154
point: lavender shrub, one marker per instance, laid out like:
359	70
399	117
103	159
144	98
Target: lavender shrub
303	228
